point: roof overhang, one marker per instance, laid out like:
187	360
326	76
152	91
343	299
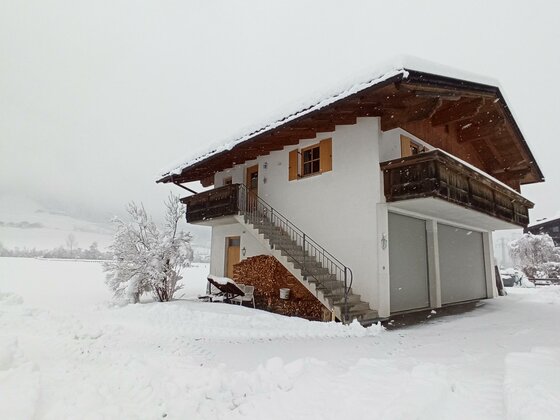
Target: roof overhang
477	112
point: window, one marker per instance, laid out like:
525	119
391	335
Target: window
556	229
312	160
409	147
227	181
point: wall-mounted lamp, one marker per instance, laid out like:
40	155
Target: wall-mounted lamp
384	241
243	251
265	165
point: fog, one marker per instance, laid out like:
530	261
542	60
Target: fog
97	97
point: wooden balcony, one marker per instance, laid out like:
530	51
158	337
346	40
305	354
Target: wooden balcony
203	207
437	174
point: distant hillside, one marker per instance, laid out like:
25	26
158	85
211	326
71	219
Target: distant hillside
25	223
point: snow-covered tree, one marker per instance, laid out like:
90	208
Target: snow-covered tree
71	243
93	252
535	255
147	258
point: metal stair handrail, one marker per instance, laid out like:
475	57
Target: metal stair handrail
256	209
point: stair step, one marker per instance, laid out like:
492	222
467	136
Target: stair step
331	290
363	315
328	285
336	293
271	230
309	264
284	242
311	271
355	306
295	252
321	278
339	300
327	293
368	318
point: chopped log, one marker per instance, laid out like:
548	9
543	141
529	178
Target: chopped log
268	276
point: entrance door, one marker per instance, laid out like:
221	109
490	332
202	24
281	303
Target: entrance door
232	254
408	263
252	183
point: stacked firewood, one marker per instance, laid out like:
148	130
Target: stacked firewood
268	276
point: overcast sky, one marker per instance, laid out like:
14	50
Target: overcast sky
96	97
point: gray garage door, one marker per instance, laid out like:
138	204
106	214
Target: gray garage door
461	261
408	263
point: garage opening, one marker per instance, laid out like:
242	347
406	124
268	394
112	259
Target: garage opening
408	263
461	262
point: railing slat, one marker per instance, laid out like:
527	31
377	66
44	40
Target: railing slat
436	174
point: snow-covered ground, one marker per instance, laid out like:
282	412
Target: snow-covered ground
68	352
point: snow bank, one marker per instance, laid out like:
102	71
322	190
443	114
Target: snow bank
10	299
532	384
19	382
195	360
219	321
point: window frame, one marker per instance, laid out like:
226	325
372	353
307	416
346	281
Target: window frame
410	147
296	164
310	162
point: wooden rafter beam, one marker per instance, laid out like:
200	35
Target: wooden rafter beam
475	131
447	91
454	111
312	124
512	174
423	109
486	156
345	119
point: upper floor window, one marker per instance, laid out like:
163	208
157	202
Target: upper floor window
312	160
228	181
409	147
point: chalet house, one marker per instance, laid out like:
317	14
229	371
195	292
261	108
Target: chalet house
378	200
550	227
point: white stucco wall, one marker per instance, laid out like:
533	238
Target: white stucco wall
343	210
218	247
390	143
236	173
337	209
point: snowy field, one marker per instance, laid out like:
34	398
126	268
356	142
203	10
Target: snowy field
68	352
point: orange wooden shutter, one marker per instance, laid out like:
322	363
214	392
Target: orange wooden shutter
405	146
293	166
326	155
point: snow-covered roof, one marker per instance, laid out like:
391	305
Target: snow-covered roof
398	68
544	222
304	109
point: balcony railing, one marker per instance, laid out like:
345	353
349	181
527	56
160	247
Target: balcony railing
437	174
211	204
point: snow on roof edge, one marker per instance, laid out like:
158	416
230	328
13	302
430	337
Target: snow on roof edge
176	169
541	221
391	68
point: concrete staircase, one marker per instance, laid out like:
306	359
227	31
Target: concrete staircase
325	284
